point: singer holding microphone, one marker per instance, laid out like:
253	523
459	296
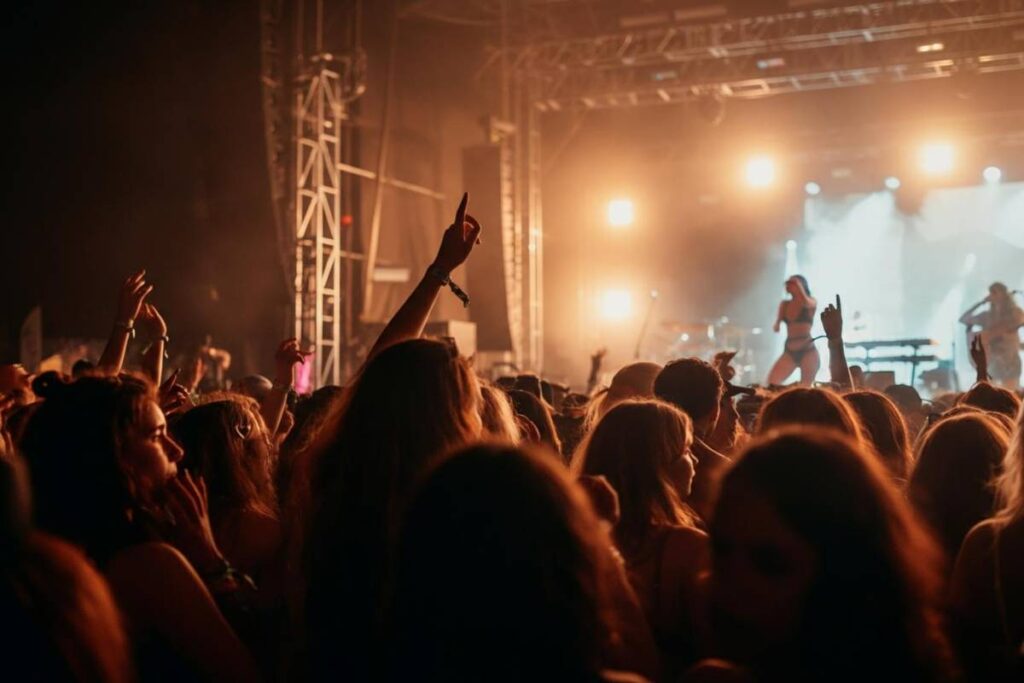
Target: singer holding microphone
1000	326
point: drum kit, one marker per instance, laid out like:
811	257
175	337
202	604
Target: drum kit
705	338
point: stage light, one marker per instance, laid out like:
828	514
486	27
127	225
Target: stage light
936	158
760	171
791	245
892	183
812	188
616	304
992	175
620	213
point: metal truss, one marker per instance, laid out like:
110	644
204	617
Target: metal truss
319	113
758	56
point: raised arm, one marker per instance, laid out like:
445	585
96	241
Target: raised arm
780	316
456	245
596	359
154	326
980	359
832	321
288	355
129	301
968	318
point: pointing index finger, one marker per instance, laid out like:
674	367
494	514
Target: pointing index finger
839	304
460	214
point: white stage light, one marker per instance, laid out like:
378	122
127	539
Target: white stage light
936	158
616	304
760	171
791	245
812	188
892	183
620	213
992	175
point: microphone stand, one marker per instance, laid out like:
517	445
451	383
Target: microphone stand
646	322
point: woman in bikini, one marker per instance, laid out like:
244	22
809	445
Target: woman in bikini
798	313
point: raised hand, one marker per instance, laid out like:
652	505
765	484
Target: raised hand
722	361
130	298
980	358
287	356
174	397
832	320
459	239
597	357
151	322
190	530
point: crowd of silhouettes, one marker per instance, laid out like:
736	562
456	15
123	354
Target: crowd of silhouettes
423	523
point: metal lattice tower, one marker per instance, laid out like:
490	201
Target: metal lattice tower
322	239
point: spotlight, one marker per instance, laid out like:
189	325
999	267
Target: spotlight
892	183
620	213
616	304
936	158
992	175
760	171
812	188
790	245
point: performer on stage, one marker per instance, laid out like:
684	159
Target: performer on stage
999	333
798	313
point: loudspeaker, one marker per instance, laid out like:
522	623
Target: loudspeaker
482	172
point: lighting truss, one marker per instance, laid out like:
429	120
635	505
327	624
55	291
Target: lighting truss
767	55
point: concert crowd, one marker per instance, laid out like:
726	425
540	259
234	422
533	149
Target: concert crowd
424	524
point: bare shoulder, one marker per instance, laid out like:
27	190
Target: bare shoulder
140	560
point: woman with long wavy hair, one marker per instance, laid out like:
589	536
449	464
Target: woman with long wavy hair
988	579
820	571
642	448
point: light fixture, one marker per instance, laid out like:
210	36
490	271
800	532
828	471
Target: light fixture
760	171
936	158
992	175
892	183
812	188
616	304
620	213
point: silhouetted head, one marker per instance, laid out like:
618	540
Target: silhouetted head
819	569
885	428
98	450
991	398
957	459
696	388
809	407
226	443
643	449
539	415
503	574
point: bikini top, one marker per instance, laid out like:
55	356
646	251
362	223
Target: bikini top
806	315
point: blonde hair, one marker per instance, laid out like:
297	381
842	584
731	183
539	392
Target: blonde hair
1010	484
499	420
635	380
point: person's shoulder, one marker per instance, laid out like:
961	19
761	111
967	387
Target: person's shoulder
152	558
